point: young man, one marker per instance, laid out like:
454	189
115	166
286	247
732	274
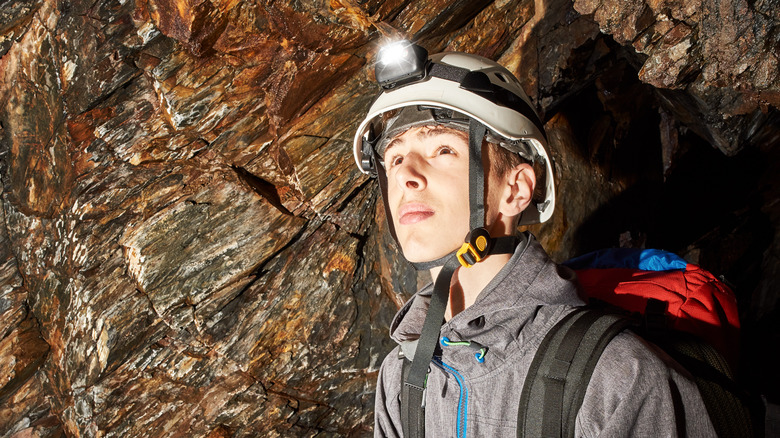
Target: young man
466	342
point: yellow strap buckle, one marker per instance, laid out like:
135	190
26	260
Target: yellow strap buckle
475	248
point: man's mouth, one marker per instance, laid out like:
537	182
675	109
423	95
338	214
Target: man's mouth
414	212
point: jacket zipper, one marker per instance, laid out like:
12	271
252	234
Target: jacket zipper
463	399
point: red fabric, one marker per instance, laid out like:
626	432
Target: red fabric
698	303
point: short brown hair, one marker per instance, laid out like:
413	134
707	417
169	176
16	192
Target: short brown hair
503	160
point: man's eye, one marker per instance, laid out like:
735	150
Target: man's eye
444	150
395	160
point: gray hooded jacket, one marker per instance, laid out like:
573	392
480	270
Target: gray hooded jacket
635	390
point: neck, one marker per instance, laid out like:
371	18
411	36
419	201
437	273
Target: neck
467	283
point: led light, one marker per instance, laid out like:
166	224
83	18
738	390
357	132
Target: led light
394	53
400	63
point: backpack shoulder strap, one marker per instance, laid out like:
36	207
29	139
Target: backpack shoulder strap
561	369
412	408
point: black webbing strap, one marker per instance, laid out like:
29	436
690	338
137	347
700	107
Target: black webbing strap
425	266
448	72
478	83
413	389
506	244
560	372
476	175
381	176
412	423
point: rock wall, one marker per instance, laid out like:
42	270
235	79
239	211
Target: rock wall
186	246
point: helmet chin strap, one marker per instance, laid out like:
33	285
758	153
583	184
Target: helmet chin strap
477	133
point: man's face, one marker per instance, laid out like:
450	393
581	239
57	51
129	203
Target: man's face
427	190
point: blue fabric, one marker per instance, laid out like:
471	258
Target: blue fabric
631	258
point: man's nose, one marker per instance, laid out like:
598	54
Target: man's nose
410	175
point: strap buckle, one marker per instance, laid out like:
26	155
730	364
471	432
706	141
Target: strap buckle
475	248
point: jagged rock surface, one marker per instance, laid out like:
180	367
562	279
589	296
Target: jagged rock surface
722	53
186	245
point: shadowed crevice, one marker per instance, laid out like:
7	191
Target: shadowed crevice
262	188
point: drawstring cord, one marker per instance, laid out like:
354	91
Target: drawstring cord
481	349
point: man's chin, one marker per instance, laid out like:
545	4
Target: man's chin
421	247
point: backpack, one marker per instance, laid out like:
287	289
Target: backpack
678	306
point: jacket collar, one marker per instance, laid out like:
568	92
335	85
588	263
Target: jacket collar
529	280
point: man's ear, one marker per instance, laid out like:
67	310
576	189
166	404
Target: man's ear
519	184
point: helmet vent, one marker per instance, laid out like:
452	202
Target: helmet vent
501	77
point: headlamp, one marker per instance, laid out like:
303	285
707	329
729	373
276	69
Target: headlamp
400	63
